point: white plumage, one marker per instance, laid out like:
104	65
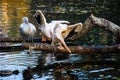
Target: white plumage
49	28
56	31
52	31
27	30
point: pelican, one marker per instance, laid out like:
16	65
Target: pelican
55	31
27	30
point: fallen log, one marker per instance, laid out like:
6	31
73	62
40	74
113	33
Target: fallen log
75	49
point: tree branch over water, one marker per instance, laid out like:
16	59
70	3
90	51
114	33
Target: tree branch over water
98	22
89	23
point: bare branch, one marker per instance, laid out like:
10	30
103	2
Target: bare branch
100	22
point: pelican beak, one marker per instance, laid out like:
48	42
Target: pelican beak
37	17
36	14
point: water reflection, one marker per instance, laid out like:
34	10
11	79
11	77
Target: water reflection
11	13
17	61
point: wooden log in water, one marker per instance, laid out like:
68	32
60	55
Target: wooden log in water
75	49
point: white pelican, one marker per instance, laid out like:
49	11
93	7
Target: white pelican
56	31
27	30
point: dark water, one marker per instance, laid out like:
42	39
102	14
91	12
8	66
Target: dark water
11	13
17	61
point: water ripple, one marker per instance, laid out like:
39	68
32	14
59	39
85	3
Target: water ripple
18	60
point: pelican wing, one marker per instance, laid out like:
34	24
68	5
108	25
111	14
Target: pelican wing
60	21
33	28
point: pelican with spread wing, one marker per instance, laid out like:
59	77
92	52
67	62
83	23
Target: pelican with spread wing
55	31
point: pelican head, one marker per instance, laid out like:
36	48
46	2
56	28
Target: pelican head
25	19
39	17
